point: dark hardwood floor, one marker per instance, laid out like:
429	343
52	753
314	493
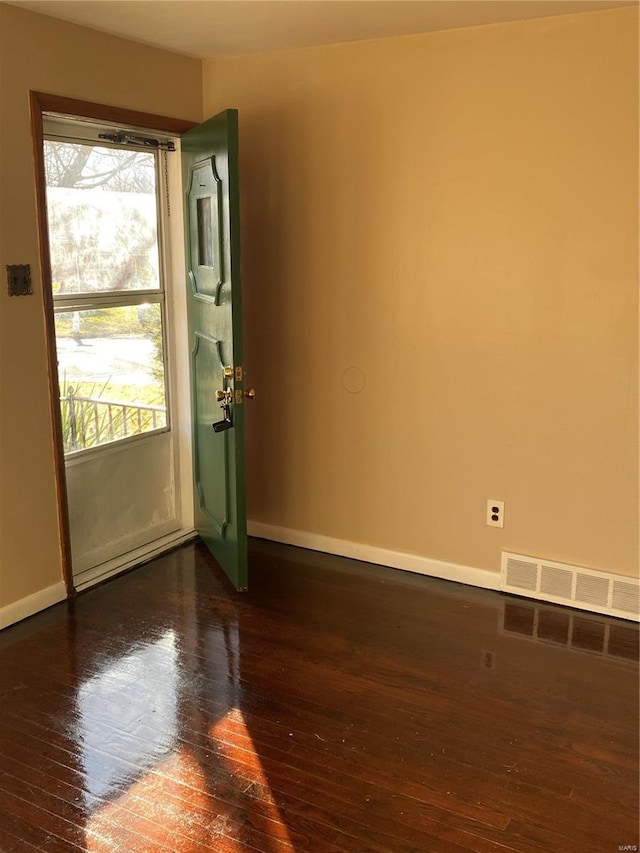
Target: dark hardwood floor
334	707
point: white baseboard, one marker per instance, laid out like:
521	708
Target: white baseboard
31	604
469	575
370	554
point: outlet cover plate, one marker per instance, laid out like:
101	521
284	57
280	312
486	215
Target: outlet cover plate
495	508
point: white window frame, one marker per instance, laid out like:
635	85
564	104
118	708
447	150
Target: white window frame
64	129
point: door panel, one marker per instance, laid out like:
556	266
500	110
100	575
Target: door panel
210	178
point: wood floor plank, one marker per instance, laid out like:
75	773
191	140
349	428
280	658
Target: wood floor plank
549	774
335	708
221	797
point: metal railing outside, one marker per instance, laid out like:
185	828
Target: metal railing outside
91	421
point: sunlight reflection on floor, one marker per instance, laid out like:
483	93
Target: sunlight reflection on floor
149	813
164	772
176	806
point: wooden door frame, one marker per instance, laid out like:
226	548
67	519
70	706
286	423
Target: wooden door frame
41	103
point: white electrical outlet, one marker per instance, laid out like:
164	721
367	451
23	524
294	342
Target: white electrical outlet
495	513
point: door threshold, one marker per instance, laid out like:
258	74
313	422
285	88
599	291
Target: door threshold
104	571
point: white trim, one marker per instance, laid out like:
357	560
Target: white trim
178	347
119	550
107	570
31	604
370	554
77	128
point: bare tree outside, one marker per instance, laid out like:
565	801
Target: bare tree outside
80	166
102	228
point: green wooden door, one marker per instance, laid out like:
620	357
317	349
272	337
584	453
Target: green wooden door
210	179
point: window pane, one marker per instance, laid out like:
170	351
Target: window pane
205	232
111	369
101	205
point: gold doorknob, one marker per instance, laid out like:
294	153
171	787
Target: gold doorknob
220	396
250	393
228	372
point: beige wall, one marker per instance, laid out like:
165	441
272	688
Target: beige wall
37	52
454	214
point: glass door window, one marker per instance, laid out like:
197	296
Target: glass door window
108	292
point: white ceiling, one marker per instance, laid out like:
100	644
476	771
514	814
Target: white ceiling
207	28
